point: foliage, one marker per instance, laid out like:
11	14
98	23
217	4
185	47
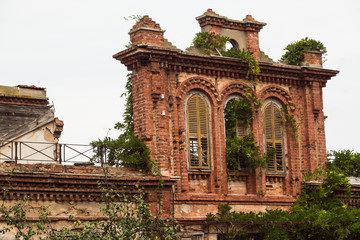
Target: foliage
15	218
127	126
245	55
210	42
317	214
345	160
291	122
127	150
239	112
135	17
245	149
129	219
295	51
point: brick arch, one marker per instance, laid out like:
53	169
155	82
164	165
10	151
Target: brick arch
201	84
280	93
233	88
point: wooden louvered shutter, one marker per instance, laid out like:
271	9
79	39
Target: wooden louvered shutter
274	137
198	137
240	133
240	129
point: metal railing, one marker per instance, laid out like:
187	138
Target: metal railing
62	153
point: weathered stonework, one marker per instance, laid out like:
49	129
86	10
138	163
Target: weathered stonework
25	116
74	190
164	77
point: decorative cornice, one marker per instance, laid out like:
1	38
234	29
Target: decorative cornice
218	66
64	186
248	24
24	101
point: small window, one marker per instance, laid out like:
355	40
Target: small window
197	237
198	133
274	136
231	44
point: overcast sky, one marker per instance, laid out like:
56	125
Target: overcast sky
67	47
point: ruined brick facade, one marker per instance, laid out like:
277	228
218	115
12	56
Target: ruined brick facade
164	78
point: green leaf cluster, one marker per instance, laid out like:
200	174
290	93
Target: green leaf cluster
295	51
244	55
317	214
127	150
239	112
244	148
211	43
129	219
347	161
15	217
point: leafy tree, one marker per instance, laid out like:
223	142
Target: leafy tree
347	161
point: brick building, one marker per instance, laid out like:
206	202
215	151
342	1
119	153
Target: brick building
179	100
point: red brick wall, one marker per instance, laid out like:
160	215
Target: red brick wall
162	80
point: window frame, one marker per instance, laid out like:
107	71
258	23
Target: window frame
201	167
247	129
275	103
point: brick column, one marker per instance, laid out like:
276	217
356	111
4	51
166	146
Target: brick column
146	31
312	59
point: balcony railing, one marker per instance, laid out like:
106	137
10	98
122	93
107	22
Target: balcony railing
62	153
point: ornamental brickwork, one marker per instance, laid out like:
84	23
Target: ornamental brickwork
164	78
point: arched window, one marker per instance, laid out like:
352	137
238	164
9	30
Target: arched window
231	44
274	136
238	115
198	142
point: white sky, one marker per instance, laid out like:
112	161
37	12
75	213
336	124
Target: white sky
67	47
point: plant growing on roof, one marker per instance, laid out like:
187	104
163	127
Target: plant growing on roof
211	43
295	51
127	150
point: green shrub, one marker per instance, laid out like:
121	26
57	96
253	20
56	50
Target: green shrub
295	51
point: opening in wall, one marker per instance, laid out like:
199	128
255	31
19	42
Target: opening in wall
197	125
274	135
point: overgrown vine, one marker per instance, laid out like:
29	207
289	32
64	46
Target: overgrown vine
242	151
211	43
290	120
238	112
127	150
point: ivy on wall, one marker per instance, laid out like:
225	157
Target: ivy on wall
127	150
